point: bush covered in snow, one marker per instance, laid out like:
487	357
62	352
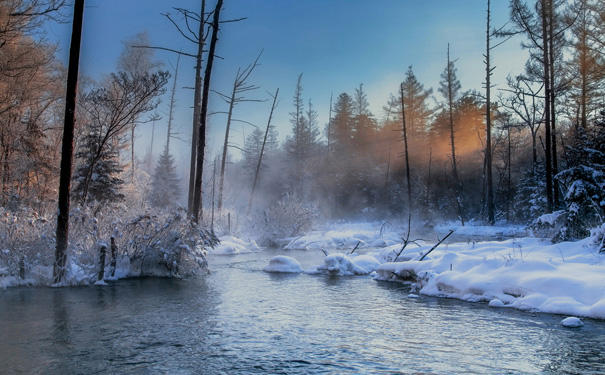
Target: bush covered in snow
26	240
289	217
165	244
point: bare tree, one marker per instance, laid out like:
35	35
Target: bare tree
449	87
240	87
262	150
488	123
201	142
68	144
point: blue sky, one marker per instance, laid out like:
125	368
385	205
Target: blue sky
337	44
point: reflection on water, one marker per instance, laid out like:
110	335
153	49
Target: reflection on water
239	320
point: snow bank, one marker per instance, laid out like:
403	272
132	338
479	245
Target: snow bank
346	265
487	231
528	274
283	264
231	245
347	236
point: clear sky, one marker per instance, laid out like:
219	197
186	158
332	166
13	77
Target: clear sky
337	44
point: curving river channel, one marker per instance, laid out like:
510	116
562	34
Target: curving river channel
241	320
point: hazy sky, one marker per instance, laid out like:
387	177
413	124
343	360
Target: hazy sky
337	44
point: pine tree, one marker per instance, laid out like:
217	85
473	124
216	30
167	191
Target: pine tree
165	189
252	149
584	179
98	174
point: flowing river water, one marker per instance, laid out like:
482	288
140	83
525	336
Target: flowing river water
241	320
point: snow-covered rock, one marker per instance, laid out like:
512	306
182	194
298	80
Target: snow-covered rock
283	264
572	322
342	265
233	245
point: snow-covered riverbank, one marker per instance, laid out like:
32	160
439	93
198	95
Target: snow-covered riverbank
523	273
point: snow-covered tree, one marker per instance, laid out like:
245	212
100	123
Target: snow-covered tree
165	189
98	174
584	180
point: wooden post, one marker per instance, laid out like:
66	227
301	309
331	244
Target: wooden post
114	251
103	251
22	268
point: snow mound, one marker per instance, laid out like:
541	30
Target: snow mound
347	237
231	245
496	303
347	265
283	264
527	274
572	322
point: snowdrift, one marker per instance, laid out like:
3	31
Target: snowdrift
528	274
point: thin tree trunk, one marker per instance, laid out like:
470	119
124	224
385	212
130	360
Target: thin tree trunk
197	197
225	145
262	150
132	152
553	113
196	110
488	122
172	102
406	153
547	108
428	182
68	145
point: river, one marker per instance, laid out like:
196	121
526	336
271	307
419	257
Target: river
241	320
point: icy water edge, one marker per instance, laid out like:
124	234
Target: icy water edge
241	320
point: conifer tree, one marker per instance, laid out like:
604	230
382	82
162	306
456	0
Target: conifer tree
165	190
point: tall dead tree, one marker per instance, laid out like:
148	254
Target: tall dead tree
488	123
262	150
240	86
547	106
201	142
197	96
169	132
449	87
406	154
68	144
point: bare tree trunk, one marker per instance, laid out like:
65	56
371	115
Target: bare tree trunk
213	189
551	63
488	124
132	151
428	182
407	157
197	197
225	145
547	107
68	145
172	102
262	150
196	110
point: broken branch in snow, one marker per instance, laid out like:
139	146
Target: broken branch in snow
437	244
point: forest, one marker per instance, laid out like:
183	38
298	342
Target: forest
530	153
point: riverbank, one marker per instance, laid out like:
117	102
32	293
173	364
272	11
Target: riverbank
524	273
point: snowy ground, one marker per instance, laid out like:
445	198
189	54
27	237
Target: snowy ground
523	273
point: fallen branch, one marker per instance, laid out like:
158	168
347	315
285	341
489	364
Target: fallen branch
434	247
356	246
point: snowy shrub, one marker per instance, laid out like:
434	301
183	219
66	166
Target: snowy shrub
584	182
26	240
289	217
598	238
164	245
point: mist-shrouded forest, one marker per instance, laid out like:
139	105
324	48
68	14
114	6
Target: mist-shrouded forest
235	186
528	153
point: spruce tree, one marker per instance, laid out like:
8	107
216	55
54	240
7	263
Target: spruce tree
97	177
165	189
